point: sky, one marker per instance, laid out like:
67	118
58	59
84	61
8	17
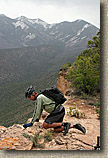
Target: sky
53	11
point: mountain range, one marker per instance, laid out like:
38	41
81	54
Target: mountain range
32	42
25	32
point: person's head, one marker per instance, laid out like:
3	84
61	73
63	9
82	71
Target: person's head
31	93
33	96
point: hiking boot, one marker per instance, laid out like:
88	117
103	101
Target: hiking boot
80	127
66	127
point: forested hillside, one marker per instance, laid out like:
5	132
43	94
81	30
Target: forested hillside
84	74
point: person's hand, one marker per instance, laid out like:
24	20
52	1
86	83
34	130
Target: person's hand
27	125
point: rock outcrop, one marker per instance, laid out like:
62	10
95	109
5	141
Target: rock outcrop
62	84
37	138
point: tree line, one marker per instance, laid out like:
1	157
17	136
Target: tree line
84	74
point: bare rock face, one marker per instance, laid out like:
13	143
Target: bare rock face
12	138
62	84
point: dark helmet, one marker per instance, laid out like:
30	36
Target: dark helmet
29	91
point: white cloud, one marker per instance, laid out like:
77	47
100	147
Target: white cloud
53	11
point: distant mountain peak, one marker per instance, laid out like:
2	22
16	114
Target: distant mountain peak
21	18
79	20
2	15
32	21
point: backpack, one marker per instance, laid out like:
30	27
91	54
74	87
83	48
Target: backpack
55	95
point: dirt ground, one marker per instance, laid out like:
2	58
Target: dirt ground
37	138
90	121
75	139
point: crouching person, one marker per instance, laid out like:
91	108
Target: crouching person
56	113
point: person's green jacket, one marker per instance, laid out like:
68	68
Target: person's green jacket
42	102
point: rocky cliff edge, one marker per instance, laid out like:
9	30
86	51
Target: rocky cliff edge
36	138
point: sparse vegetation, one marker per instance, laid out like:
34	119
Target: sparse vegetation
26	135
34	139
48	136
74	111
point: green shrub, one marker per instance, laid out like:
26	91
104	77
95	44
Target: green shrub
48	136
74	111
85	72
65	66
34	139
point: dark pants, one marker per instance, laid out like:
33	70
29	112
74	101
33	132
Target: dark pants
56	116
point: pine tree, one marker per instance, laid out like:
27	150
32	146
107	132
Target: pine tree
85	72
